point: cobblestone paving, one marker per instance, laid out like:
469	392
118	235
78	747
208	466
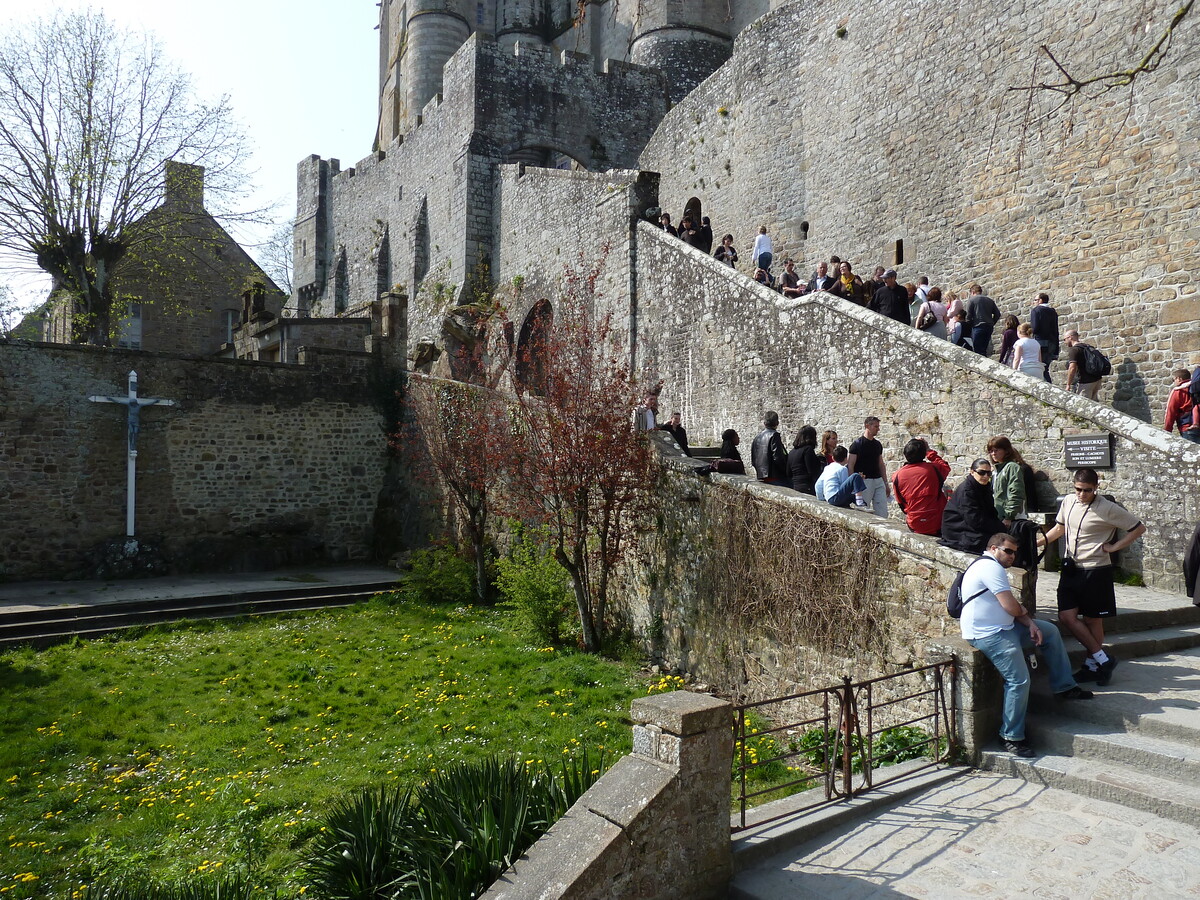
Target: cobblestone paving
985	835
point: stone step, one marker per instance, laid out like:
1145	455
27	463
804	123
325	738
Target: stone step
1172	759
1104	780
1134	644
1152	696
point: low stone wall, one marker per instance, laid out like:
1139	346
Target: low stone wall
257	465
656	825
728	348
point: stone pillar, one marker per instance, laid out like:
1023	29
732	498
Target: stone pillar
692	734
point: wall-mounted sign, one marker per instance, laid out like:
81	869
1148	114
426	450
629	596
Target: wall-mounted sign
1094	451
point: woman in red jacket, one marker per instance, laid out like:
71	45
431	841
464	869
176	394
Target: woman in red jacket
918	487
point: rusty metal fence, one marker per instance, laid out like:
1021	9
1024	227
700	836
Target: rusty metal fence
836	737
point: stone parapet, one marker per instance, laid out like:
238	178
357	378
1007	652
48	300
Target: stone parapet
655	826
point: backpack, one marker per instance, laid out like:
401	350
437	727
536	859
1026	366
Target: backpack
1194	390
954	600
1095	363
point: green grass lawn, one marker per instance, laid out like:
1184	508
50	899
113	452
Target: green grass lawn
212	747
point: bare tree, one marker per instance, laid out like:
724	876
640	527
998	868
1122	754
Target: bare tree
89	116
275	256
1069	84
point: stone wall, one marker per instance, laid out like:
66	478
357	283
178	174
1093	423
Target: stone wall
655	826
907	128
729	349
420	211
258	464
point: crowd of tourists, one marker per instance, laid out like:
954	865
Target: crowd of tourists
1028	346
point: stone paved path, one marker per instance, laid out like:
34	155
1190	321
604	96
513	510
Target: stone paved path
986	835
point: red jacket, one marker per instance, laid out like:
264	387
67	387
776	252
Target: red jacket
1180	409
918	488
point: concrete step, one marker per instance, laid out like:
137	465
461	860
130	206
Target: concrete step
1103	780
1080	739
1133	644
50	625
1153	696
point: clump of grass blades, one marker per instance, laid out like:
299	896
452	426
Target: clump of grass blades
449	837
229	888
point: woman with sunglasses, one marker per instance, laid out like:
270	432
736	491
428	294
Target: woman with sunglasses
970	517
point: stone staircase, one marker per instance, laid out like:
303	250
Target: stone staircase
1138	742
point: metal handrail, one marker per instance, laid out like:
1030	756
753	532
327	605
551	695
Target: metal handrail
844	745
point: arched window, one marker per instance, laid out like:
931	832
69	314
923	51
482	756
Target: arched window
692	208
531	347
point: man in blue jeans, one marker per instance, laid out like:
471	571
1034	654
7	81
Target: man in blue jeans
990	619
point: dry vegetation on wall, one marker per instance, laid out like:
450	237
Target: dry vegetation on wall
798	580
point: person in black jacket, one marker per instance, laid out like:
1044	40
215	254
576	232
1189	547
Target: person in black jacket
1191	567
970	517
767	454
803	463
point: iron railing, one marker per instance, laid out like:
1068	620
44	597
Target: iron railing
835	745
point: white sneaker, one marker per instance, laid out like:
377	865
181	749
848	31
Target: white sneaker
860	502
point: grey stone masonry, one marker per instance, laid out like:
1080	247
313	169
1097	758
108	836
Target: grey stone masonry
655	826
728	348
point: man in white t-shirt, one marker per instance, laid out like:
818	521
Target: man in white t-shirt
989	624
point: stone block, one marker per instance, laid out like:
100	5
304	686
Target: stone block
682	712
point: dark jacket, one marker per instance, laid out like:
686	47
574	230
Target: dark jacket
1191	567
680	435
804	468
969	519
893	303
767	456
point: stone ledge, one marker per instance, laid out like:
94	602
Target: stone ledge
682	713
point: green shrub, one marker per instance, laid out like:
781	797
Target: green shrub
531	581
438	574
451	837
230	888
902	743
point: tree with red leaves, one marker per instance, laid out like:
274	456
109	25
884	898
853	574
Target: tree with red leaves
575	462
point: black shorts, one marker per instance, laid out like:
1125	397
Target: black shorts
1088	590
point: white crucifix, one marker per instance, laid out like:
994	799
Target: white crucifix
134	403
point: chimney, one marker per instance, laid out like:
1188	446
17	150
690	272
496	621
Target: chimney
184	183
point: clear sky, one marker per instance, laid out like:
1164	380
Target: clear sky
301	76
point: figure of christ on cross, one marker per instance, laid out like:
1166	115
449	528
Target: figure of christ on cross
134	405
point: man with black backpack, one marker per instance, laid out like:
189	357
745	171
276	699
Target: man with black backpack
989	618
1086	366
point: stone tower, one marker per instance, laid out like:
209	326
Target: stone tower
687	39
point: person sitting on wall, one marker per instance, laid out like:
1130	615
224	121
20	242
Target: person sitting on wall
821	279
730	460
996	624
837	486
767	454
805	464
789	281
919	487
763	277
726	253
675	429
969	519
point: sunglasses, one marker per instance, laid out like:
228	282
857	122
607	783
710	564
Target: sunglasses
1009	550
986	473
1080	490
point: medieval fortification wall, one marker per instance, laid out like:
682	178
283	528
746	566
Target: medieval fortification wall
728	349
259	463
853	127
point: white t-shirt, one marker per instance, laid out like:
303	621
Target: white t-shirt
984	616
762	244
